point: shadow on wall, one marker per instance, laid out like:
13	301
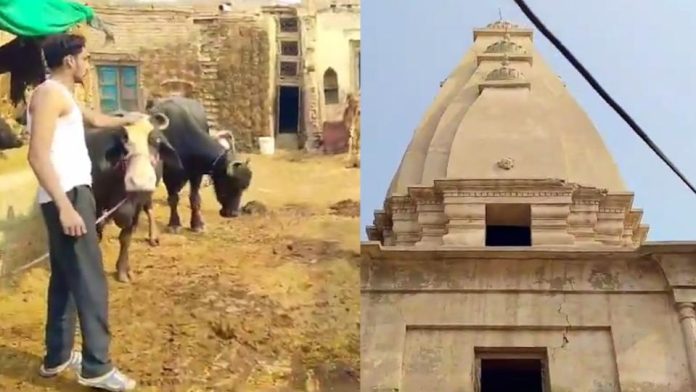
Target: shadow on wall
22	234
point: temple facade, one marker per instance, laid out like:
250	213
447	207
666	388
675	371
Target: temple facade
509	255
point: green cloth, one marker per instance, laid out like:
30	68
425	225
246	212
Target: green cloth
38	18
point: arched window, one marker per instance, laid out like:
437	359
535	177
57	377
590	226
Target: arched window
330	87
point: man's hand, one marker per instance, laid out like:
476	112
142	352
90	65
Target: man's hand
72	222
99	120
132	118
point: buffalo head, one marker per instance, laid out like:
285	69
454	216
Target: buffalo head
139	150
231	178
8	139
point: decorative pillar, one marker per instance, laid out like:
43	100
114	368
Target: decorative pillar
465	213
611	216
431	215
630	226
467	222
388	236
583	216
405	226
609	226
687	319
550	225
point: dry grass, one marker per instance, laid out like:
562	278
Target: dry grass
258	303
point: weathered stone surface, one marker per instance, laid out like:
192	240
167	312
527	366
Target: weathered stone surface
585	308
572	283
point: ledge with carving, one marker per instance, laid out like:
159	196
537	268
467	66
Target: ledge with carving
502	28
505	76
504	49
452	213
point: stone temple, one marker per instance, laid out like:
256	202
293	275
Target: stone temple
509	256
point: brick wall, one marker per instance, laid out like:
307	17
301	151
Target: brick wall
240	77
143	27
162	42
223	61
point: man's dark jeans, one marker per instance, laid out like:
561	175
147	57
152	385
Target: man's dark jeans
77	287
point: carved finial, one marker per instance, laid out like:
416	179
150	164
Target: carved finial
502	25
506	163
506	60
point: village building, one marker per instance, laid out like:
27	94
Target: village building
509	248
260	69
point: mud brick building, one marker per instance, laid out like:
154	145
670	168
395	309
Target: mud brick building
260	69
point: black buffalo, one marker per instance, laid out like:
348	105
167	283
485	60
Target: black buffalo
201	154
8	139
127	163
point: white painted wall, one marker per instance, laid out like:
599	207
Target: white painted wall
334	32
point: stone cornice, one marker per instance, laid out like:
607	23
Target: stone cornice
505	187
401	204
501	183
633	219
373	233
452	213
424	195
513	32
586	195
380	218
375	250
617	202
498	57
664	247
504	84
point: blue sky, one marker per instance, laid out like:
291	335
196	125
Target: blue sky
640	51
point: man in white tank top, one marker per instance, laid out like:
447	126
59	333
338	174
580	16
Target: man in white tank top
58	156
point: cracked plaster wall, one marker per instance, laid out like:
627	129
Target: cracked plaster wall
608	325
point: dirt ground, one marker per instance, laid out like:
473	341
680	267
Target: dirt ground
264	302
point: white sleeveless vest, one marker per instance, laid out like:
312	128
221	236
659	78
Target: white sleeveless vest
69	154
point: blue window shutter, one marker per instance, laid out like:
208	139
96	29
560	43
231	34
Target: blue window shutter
129	88
108	88
129	76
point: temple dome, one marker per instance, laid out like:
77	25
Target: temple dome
468	129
